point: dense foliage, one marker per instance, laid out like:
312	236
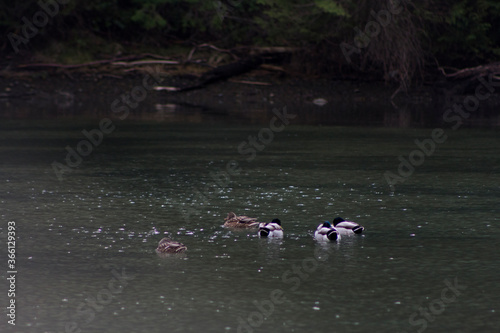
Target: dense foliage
399	39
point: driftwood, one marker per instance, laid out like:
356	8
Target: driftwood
191	53
145	62
474	72
228	70
256	83
87	64
220	73
250	58
114	61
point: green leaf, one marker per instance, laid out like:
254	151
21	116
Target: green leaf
330	7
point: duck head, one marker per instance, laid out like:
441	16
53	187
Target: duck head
337	220
327	224
277	221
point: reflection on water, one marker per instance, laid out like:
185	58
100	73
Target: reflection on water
86	244
253	106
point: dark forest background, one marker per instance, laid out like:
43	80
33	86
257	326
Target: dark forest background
416	42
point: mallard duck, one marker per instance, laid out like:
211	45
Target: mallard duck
326	232
167	245
347	227
234	221
272	229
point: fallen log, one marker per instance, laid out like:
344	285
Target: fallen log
473	72
227	71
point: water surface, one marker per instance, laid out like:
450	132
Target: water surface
86	243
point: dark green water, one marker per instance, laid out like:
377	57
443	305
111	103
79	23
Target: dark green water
85	244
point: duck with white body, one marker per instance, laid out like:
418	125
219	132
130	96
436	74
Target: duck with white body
272	229
347	227
326	233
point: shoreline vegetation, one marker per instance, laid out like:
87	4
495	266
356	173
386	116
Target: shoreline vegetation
397	51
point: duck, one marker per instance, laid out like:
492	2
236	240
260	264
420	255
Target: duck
166	245
272	229
347	227
325	232
234	221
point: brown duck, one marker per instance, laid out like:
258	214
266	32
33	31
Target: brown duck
167	245
234	221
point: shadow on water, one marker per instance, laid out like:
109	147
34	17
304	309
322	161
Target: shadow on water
256	107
